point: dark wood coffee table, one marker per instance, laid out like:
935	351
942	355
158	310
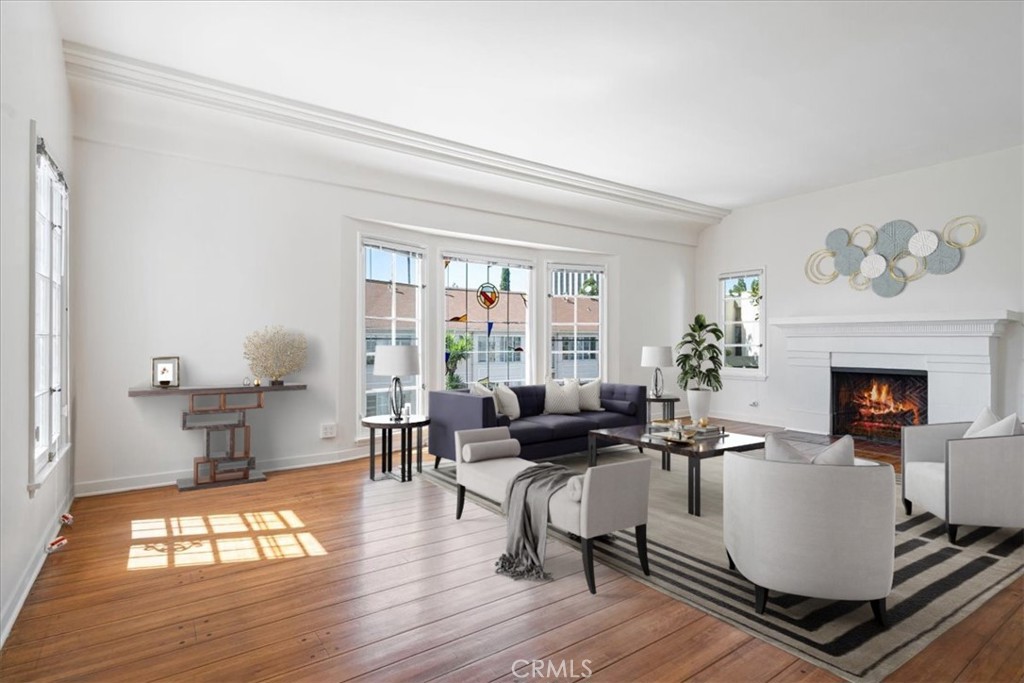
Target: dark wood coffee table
694	452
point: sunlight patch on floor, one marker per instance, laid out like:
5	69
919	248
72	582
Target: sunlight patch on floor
219	539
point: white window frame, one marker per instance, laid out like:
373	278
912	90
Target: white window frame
419	386
529	355
760	372
581	268
49	381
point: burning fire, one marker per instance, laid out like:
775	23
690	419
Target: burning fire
879	400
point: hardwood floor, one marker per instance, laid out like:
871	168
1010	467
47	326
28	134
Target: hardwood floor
378	581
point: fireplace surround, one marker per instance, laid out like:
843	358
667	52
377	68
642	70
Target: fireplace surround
961	354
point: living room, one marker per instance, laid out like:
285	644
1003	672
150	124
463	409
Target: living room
214	193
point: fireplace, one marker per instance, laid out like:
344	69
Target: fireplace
877	404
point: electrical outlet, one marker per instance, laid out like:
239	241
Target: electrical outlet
328	430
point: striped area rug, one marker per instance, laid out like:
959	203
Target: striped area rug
934	587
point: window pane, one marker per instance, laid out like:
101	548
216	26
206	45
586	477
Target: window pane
56	251
55	364
56	310
741	319
43	187
55	415
42	428
43	241
42	362
43	299
575	311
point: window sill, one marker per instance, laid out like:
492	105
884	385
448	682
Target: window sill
44	474
747	375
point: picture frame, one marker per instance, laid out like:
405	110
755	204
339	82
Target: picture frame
166	371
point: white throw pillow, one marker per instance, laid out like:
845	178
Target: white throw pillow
507	402
838	453
561	399
780	450
590	394
1006	427
477	389
983	421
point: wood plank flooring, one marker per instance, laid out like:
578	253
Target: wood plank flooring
320	574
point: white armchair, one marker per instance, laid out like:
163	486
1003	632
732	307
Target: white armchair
613	496
979	482
823	531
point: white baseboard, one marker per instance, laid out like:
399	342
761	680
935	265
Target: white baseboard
102	486
25	582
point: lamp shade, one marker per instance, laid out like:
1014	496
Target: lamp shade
656	357
396	361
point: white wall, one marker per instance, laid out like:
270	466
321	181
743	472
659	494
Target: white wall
186	256
32	86
781	235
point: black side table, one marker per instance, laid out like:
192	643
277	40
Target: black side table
388	425
668	406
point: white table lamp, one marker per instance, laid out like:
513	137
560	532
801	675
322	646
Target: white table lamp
396	362
657	357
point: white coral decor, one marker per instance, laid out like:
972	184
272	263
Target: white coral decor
274	353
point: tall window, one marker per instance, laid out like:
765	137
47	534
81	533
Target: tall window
743	321
574	297
485	333
49	350
392	317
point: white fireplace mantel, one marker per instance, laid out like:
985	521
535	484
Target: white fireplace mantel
987	324
960	353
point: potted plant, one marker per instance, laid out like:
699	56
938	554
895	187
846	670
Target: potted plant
700	365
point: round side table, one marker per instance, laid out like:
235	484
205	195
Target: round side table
668	406
388	425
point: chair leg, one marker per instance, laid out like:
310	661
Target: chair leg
437	461
732	565
878	607
908	506
760	599
587	545
951	532
460	501
641	548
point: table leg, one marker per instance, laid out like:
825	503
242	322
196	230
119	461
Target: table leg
407	437
373	454
591	450
690	463
386	454
404	455
419	450
671	408
666	461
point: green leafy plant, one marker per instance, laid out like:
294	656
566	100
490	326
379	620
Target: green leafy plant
700	358
456	349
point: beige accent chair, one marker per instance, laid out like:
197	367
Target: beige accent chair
614	496
979	481
823	531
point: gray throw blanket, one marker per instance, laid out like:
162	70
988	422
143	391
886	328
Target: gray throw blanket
526	511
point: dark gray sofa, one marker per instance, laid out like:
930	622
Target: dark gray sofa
539	435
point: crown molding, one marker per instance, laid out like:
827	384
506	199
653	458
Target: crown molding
89	63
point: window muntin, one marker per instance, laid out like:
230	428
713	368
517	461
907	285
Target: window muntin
742	304
49	353
392	315
574	298
481	343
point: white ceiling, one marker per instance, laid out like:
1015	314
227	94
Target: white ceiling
722	103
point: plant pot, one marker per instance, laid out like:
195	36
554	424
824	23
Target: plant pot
699	403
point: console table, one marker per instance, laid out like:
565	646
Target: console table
215	410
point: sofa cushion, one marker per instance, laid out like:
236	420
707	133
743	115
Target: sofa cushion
606	420
617	406
530	432
780	450
561	399
985	420
838	453
490	477
507	401
561	426
590	395
531	399
1008	426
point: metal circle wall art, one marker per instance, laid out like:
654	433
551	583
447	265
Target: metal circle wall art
880	259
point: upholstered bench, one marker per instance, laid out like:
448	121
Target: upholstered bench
612	497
